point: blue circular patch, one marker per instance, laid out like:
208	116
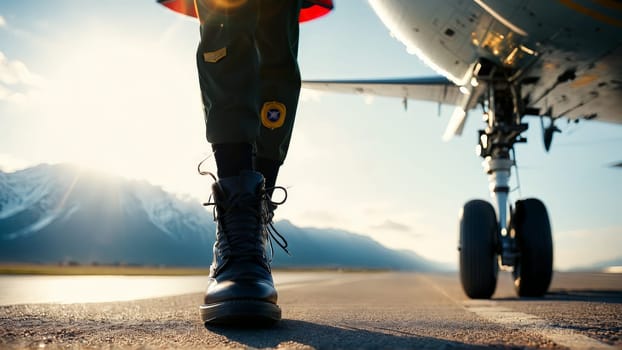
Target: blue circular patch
274	115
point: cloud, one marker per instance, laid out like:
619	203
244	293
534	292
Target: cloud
16	80
16	73
11	96
392	226
2	22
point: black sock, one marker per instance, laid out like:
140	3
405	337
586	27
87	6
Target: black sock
233	158
270	170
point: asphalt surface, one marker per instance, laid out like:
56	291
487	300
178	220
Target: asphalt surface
346	311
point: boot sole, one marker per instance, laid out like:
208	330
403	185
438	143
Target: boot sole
240	313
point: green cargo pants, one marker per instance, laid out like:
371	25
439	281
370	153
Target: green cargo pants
248	72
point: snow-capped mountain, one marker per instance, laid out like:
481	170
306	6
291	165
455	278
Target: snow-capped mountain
89	217
55	213
34	195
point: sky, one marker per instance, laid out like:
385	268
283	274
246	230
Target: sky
111	85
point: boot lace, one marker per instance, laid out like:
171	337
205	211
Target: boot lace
269	207
230	221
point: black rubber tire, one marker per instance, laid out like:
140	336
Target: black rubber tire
477	246
534	267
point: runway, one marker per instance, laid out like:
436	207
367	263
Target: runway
348	311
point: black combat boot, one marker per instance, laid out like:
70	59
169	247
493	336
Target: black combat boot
240	290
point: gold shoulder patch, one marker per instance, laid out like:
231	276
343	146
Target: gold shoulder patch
215	56
273	114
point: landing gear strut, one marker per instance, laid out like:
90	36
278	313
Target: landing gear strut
489	237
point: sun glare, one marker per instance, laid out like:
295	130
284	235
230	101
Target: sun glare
119	104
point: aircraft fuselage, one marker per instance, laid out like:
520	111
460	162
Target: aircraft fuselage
566	55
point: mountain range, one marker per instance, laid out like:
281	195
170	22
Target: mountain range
62	213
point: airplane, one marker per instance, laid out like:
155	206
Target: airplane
549	59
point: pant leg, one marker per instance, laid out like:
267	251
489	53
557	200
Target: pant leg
277	43
228	65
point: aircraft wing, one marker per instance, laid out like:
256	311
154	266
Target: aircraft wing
436	89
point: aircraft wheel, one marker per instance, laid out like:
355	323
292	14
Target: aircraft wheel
478	253
534	267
